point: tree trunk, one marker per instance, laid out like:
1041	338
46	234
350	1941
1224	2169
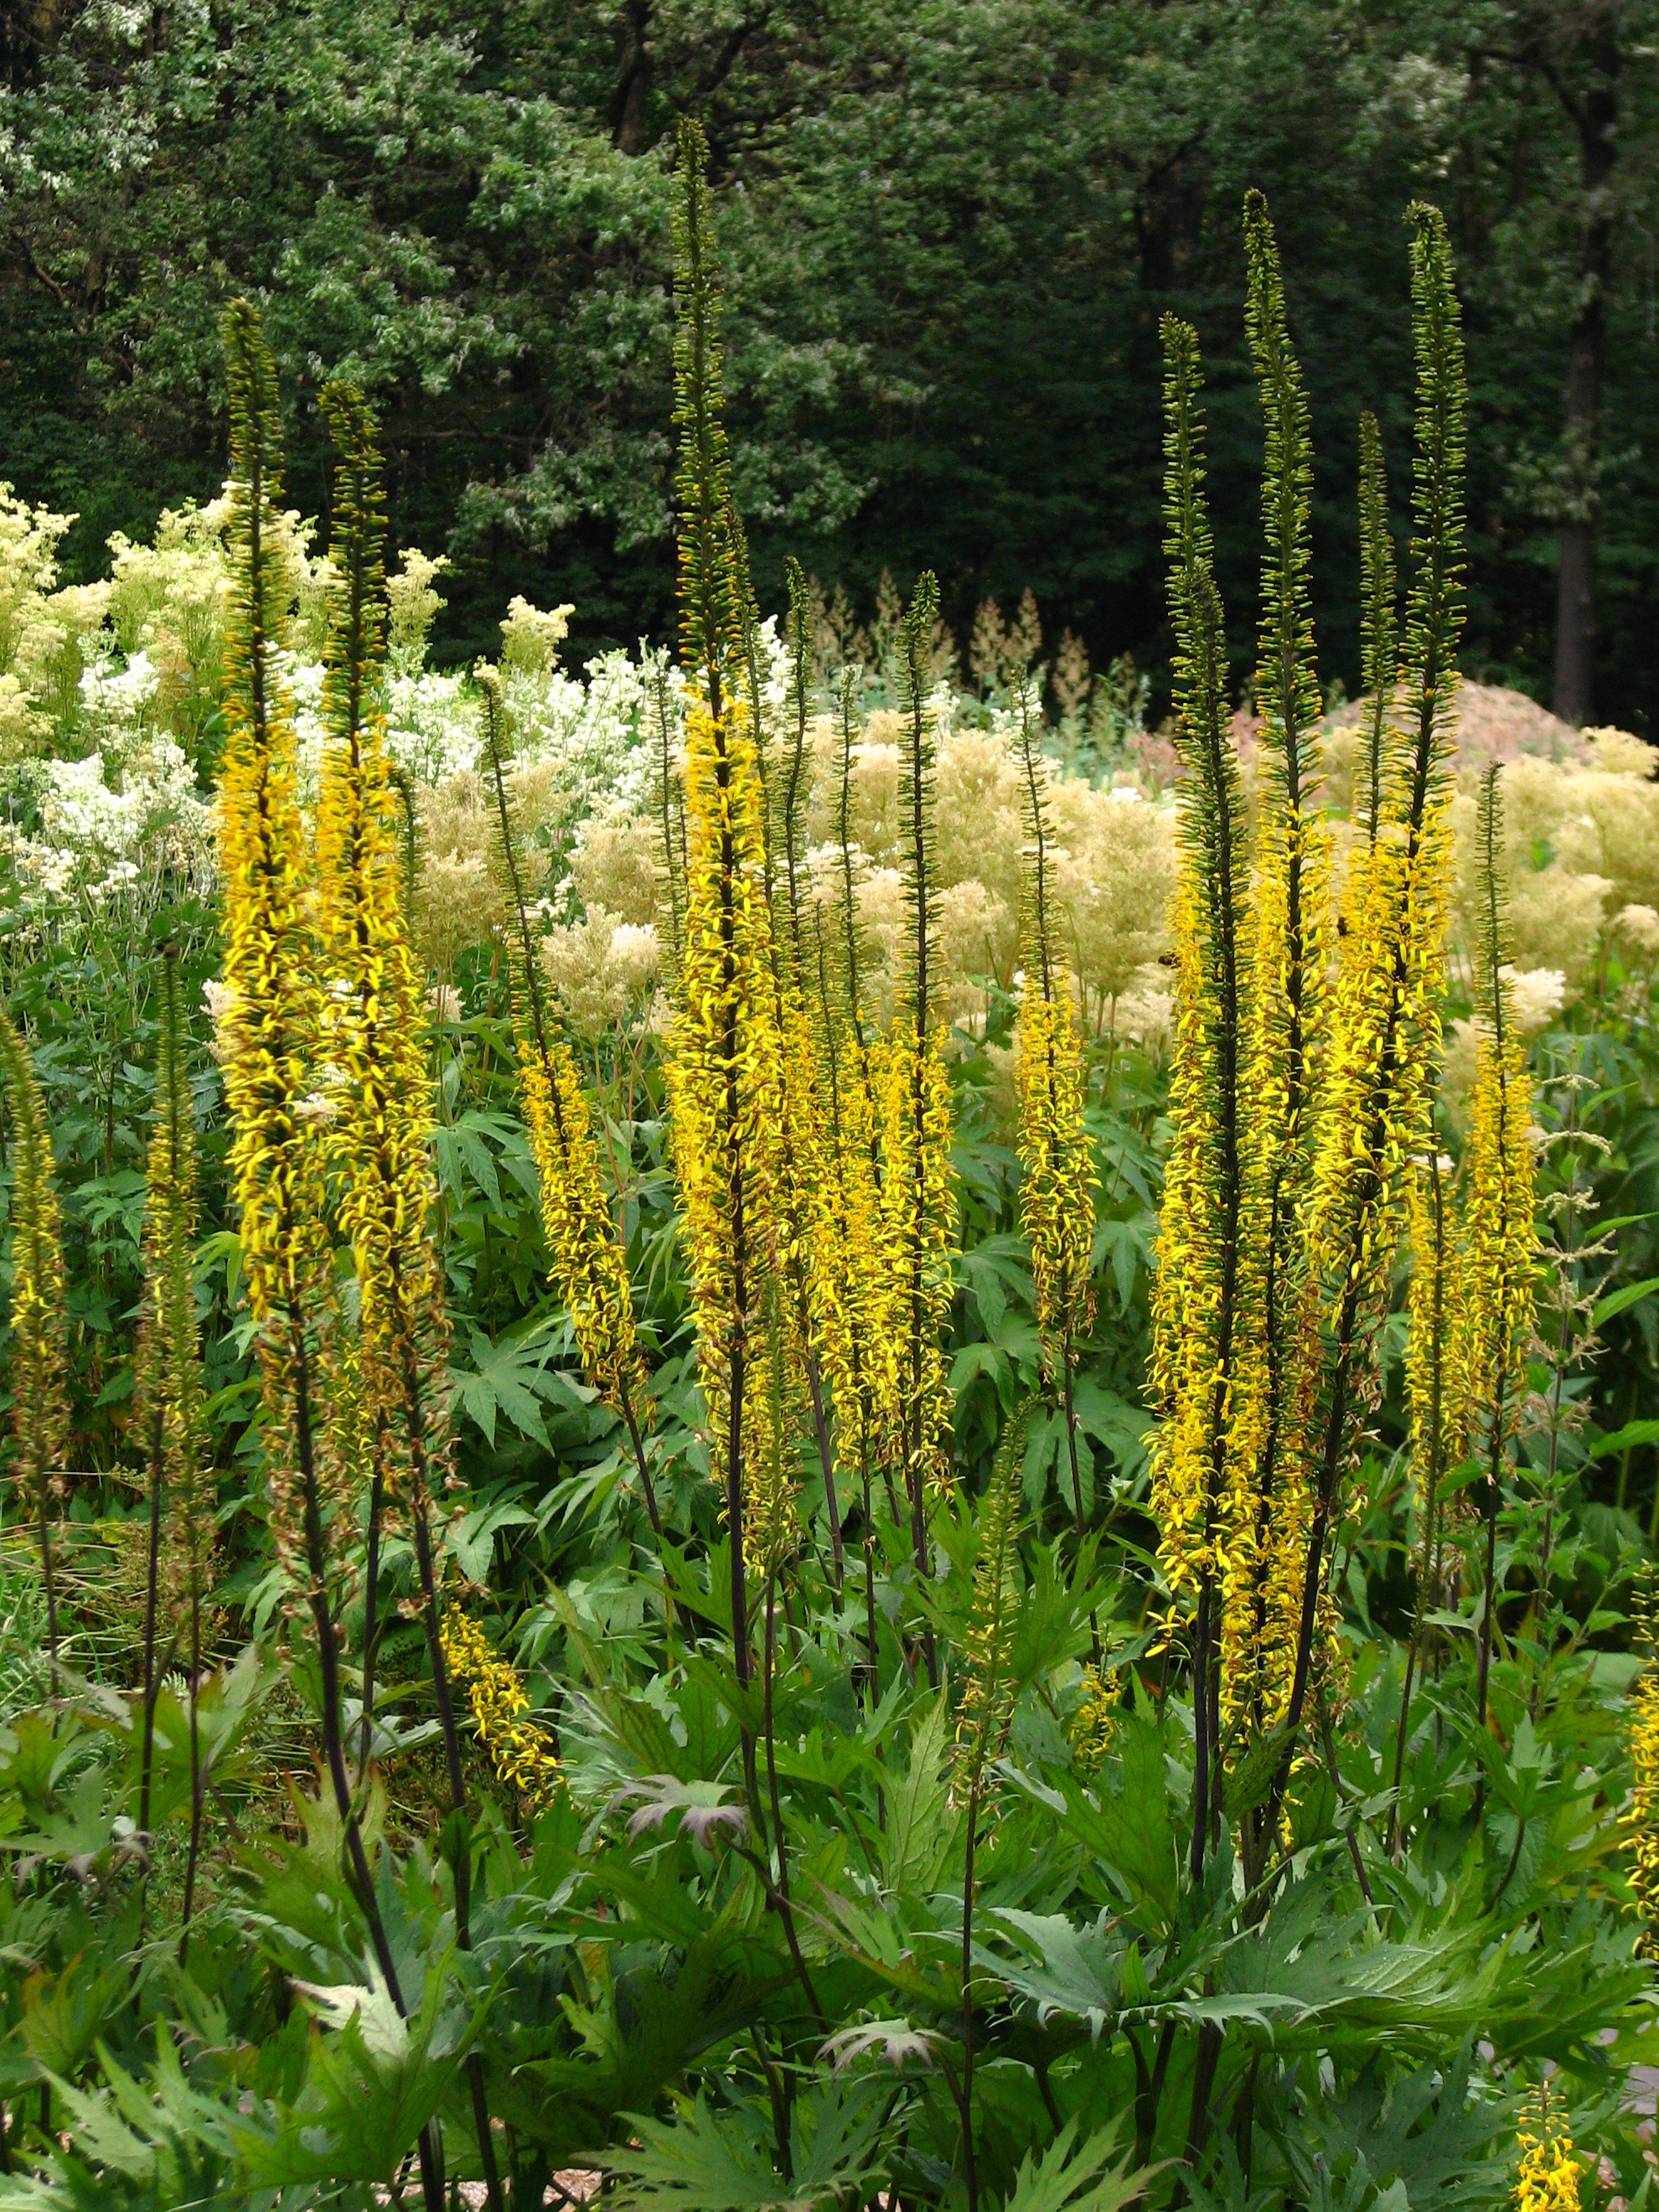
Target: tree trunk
1595	114
627	104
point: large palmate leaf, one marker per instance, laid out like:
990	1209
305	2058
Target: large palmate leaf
1420	2130
707	2160
1323	1983
372	2082
1070	2177
140	2145
922	1825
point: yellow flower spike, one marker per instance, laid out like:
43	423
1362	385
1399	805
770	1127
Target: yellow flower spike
985	1706
1289	951
1207	1450
918	1220
1499	1206
273	1013
858	1324
171	1394
804	1166
519	1751
1094	1724
39	1337
1641	1820
1547	2180
378	1137
918	1198
1499	1209
1437	1384
724	1047
724	1051
771	1518
589	1261
1058	1180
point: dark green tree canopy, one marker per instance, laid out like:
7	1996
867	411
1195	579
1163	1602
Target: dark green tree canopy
949	232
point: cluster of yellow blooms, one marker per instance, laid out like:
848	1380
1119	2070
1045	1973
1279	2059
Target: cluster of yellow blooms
723	1086
1641	1817
1547	2181
39	1346
1298	1106
519	1751
1094	1724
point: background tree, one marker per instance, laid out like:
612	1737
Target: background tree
949	233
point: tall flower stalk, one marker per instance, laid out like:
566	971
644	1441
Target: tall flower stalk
1290	957
590	1263
1202	1467
918	1199
173	1398
1379	638
1058	1179
1500	1210
39	1336
724	1047
1297	1097
803	1161
379	1138
983	1712
273	1028
1437	1392
853	1284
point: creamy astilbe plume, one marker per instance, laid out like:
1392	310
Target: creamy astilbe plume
723	1056
39	1335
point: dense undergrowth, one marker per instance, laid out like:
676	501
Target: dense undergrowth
722	1608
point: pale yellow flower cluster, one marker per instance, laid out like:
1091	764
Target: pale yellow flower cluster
1581	852
42	628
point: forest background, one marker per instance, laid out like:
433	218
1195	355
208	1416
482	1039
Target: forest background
949	232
